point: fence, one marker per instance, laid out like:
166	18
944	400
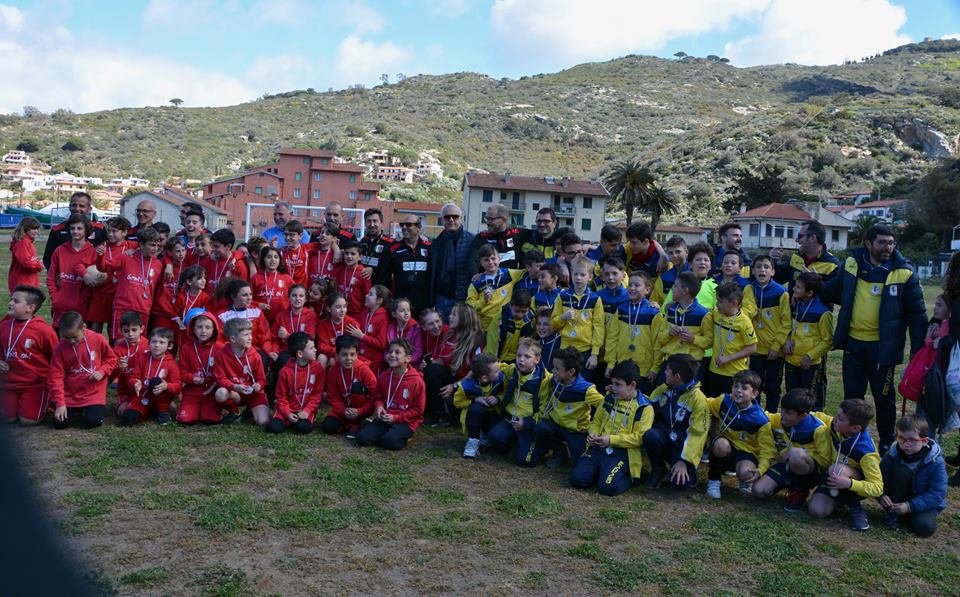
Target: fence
260	217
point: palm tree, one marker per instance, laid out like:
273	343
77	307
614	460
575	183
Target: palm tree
628	184
659	200
859	232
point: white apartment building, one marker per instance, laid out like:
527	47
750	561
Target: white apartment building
580	205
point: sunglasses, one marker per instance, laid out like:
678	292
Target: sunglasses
451	217
407	224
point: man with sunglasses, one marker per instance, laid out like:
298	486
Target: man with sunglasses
375	247
409	266
449	261
880	300
146	213
544	238
508	241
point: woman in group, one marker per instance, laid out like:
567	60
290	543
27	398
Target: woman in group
451	363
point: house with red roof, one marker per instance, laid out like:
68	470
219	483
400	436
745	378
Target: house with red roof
775	225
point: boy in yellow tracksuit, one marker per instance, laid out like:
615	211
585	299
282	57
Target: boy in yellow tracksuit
742	440
767	304
614	458
578	314
683	317
478	398
492	289
564	416
632	331
811	334
730	332
515	322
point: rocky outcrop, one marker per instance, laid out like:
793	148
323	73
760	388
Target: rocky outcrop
934	144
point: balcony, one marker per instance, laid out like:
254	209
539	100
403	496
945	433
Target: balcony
565	211
514	206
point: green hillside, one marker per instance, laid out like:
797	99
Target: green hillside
694	121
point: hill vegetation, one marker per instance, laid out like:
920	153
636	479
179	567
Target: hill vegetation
697	124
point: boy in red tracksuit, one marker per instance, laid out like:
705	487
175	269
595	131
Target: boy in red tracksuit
349	277
127	348
155	381
68	271
295	255
350	384
164	312
197	355
299	387
138	276
334	326
26	345
372	331
239	373
100	310
399	401
79	367
223	262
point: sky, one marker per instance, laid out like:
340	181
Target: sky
95	55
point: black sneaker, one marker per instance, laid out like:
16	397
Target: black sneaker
163	418
657	475
858	518
229	419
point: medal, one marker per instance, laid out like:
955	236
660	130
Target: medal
632	348
609	451
145	401
573	333
759	325
673	436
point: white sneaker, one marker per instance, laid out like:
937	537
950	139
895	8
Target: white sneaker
746	488
713	489
472	448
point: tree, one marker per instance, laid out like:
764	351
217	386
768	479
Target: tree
176	102
937	205
29	145
756	189
74	144
385	78
680	55
659	201
628	184
859	232
32	112
401	77
827	178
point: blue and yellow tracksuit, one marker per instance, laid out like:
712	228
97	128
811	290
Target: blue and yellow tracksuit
680	426
663	284
469	389
768	307
810	433
825	264
647	263
706	297
811	330
585	331
548	346
565	416
859	453
689	318
726	335
504	335
613	469
740	280
719	252
527	283
501	284
747	429
612	299
522	395
545	298
632	335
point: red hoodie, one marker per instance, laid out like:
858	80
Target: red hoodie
137	280
352	285
230	370
217	269
71	366
145	368
327	334
272	290
307	322
27	347
296	261
197	360
123	349
65	279
164	303
320	265
110	257
299	389
25	266
404	397
339	383
261	329
374	341
432	345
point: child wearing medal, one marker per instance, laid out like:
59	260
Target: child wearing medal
516	322
138	276
323	254
547	291
26	344
271	284
399	400
332	327
614	458
155	381
403	325
299	387
729	331
767	303
296	318
127	348
350	385
371	330
190	295
197	356
164	312
79	367
349	277
578	314
491	289
100	311
547	337
240	375
674	444
295	255
239	296
811	333
632	332
477	397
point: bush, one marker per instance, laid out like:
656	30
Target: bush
74	144
29	145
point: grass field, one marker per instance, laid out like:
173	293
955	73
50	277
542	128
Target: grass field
230	511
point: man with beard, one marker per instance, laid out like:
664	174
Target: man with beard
375	247
544	238
508	241
731	239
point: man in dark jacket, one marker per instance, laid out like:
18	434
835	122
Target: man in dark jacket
880	299
449	263
508	241
80	203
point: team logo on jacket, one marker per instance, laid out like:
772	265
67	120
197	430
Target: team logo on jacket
509	242
893	291
406	393
378	249
27	343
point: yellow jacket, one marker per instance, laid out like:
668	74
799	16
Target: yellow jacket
727	335
811	434
585	331
632	335
625	421
768	307
747	429
683	411
569	405
468	389
811	332
502	286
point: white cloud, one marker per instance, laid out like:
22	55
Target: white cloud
281	72
358	15
568	31
820	32
361	61
449	8
10	17
173	13
952	36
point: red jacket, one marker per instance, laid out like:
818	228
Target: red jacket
327	334
296	261
320	265
71	366
339	382
111	256
432	345
197	360
27	347
164	303
186	301
261	329
403	397
65	279
374	342
352	285
137	280
271	289
299	389
123	374
25	266
217	269
245	370
146	367
307	321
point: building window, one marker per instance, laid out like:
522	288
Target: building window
353	195
353	178
585	224
316	193
536	207
516	219
769	230
272	190
588	203
835	236
297	176
324	161
367	196
503	196
487	196
790	232
306	160
296	193
258	190
318	176
754	230
516	201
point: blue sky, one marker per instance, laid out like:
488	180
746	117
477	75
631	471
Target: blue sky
90	55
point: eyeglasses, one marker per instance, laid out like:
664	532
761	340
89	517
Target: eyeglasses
451	217
407	224
544	221
911	440
145	211
884	243
491	219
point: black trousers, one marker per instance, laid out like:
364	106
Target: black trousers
278	425
387	436
771	372
860	368
90	416
435	376
898	485
797	377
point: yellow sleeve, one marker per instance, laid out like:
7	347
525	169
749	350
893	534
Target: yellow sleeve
749	304
596	425
698	430
713	406
555	316
656	294
704	339
872	483
784	325
633	436
766	448
666	301
593	397
649	361
825	334
612	338
749	332
597	322
474	298
493	338
516	274
660	340
822	446
460	398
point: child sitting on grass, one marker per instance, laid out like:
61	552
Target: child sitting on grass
240	375
299	387
614	458
197	354
524	385
478	399
399	403
155	381
914	478
350	385
79	367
